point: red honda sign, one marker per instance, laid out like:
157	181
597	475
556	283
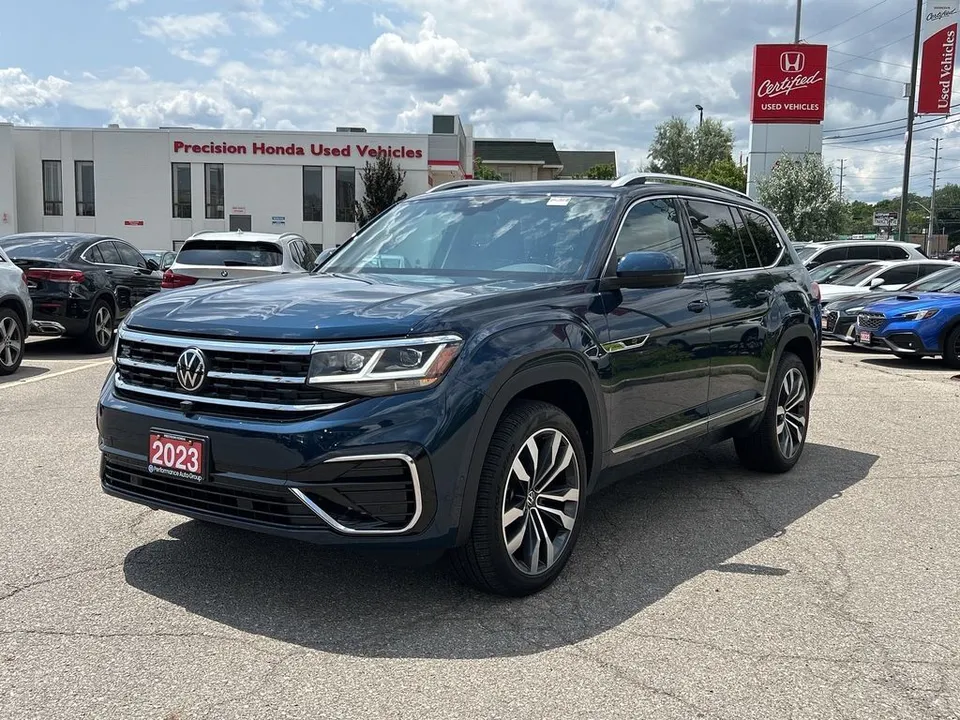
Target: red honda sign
935	88
789	83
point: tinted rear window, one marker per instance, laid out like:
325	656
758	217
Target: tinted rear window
230	253
47	248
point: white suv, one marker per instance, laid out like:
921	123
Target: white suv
815	254
212	256
16	311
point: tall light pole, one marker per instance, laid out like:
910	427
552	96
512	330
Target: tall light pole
700	108
910	114
796	37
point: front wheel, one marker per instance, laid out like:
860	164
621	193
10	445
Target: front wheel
951	349
529	503
777	443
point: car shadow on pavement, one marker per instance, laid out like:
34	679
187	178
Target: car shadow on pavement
22	373
641	540
60	348
895	363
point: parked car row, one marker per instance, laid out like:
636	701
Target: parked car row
921	319
82	286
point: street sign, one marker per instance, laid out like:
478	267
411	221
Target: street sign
886	219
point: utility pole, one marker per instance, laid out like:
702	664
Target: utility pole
841	178
796	37
904	203
933	195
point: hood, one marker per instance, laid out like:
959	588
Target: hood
312	307
906	302
848	300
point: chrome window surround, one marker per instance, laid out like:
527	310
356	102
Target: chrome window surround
339	527
681	196
83	255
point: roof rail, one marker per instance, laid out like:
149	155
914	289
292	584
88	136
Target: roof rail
454	184
641	178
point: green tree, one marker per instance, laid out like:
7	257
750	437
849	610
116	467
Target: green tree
802	193
724	172
484	172
603	171
676	145
382	188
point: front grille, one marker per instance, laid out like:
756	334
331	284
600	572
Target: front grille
871	321
270	506
241	379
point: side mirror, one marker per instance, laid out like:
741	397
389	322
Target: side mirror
876	282
649	270
323	257
152	265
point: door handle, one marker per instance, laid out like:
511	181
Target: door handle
697	306
109	272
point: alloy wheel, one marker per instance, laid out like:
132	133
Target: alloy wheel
103	326
11	344
792	413
540	501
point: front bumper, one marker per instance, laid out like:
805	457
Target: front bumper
380	473
903	337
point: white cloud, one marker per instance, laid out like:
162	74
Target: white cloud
124	4
207	57
184	28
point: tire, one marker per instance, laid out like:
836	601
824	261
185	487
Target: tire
12	341
767	449
485	561
951	349
98	337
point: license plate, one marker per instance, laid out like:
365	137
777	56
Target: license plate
865	338
179	456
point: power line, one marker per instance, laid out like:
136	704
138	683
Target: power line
922	125
877	27
865	92
864	57
878	124
852	17
872	77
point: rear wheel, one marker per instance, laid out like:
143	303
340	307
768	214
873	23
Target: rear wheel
529	503
777	443
11	341
951	349
99	334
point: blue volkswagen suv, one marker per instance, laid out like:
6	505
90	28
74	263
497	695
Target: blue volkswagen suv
469	369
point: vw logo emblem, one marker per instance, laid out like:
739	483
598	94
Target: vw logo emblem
191	369
224	273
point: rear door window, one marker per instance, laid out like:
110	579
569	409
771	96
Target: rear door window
863	252
717	238
831	255
129	256
764	237
230	253
109	253
892	252
903	275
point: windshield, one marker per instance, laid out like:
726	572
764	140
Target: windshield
826	272
230	253
490	236
859	275
47	248
937	282
807	251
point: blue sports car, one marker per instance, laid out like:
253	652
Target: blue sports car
915	325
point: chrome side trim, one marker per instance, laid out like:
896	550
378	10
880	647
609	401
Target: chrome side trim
200	400
417	495
139	365
742	409
631	343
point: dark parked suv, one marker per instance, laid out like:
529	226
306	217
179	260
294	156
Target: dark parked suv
469	369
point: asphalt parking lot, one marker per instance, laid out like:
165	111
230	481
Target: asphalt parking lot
702	591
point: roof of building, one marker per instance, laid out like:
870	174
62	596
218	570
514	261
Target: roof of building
577	162
509	151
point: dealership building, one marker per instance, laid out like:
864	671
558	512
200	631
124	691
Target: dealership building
155	187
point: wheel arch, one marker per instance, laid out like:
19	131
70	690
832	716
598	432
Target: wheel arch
799	339
948	328
16	304
563	380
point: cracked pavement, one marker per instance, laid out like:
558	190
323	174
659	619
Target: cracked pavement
698	591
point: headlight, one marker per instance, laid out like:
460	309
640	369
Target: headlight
920	314
384	367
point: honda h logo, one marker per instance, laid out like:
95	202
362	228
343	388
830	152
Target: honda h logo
191	369
792	62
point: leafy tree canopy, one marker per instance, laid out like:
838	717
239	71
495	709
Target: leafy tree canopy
802	193
383	187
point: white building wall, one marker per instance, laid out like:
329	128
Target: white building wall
133	179
8	182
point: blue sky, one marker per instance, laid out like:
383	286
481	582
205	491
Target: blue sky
588	75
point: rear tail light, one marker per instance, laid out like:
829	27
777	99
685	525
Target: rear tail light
54	275
172	280
816	292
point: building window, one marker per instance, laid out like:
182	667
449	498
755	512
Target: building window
312	194
52	188
213	186
506	174
346	194
180	172
86	206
